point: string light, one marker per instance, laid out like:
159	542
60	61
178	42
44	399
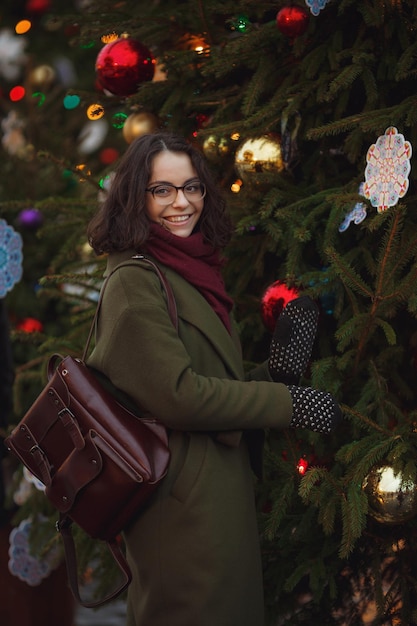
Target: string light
71	101
235	187
302	466
118	120
40	96
109	38
22	27
95	111
17	93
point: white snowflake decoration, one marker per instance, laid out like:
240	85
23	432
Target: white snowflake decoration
22	563
12	55
316	6
11	257
356	215
386	174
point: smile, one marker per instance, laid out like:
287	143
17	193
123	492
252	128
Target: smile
177	218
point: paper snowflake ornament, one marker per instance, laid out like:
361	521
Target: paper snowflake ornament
356	215
387	170
10	258
316	6
22	563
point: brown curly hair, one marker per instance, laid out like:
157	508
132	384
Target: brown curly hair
121	222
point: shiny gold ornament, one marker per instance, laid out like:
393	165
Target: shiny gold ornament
215	147
138	124
256	156
391	499
42	76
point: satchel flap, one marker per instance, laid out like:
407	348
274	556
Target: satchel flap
141	442
78	470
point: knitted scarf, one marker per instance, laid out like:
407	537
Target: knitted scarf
197	262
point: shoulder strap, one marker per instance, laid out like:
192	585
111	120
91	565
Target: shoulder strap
171	304
64	526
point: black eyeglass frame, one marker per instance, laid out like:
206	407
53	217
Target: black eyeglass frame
182	188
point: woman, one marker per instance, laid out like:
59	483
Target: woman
194	551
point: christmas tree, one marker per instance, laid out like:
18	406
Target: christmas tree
306	113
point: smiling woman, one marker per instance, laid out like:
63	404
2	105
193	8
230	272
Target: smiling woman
176	196
194	550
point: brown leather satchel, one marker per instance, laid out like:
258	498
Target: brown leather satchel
99	462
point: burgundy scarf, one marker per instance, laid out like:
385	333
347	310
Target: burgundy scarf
197	262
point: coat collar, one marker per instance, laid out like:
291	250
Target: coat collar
193	308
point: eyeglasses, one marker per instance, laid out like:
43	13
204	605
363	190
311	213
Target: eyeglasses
167	194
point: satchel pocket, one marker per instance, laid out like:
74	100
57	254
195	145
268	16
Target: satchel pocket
190	471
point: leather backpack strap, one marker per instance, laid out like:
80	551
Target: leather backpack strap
171	304
64	523
64	527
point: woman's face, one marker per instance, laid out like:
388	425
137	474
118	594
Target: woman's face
177	210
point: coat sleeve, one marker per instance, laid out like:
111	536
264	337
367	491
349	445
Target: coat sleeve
139	350
261	372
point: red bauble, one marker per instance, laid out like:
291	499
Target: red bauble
108	155
37	6
124	64
275	298
30	325
292	21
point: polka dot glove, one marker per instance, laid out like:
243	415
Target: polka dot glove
293	340
314	409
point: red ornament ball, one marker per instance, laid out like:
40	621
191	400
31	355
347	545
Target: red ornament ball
122	65
275	298
37	6
30	325
108	155
292	21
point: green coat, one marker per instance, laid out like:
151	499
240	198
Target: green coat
194	551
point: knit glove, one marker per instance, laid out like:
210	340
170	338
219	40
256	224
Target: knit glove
292	341
314	409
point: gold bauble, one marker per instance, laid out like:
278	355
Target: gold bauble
256	156
138	124
215	147
42	76
391	499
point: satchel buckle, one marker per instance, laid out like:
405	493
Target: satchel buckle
70	423
36	449
66	410
42	463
